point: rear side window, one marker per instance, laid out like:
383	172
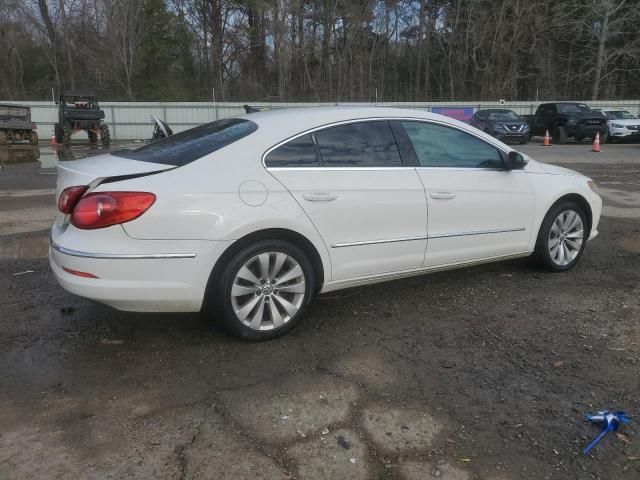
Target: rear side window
299	152
364	144
439	146
192	144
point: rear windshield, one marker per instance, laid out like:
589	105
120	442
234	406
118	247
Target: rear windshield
192	144
9	112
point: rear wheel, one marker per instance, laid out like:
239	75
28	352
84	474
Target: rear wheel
93	136
560	135
105	136
58	132
264	290
562	236
66	136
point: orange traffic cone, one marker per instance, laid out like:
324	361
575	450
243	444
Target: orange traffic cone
596	143
53	139
547	139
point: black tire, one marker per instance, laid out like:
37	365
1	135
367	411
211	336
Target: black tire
33	138
560	135
579	139
542	252
66	137
105	136
58	132
525	140
604	138
221	307
93	136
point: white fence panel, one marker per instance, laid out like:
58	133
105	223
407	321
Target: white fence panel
131	120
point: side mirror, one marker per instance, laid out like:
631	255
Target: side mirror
515	161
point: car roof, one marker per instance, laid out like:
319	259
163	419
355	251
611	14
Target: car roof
287	122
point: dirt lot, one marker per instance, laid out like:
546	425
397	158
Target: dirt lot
482	373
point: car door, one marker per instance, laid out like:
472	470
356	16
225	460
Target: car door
369	207
477	209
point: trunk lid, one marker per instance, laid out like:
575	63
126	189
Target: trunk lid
94	170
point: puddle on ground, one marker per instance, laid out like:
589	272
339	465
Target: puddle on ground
25	245
631	243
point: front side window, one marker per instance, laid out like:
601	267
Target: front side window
192	144
299	152
363	144
439	146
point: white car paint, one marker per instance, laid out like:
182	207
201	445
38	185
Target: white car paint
622	128
367	224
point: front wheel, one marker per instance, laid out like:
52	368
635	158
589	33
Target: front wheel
604	138
562	237
264	290
560	135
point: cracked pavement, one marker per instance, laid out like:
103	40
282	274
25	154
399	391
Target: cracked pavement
474	374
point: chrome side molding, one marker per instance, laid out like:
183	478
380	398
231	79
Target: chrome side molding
119	256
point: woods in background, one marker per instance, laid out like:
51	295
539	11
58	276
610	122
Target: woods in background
321	50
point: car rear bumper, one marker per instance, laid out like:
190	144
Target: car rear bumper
151	276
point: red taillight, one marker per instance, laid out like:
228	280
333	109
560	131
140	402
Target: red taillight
103	209
70	197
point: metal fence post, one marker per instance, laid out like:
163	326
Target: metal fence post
113	122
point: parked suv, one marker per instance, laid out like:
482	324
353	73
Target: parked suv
501	123
565	120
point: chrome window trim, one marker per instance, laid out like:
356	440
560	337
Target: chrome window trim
427	237
373	119
118	256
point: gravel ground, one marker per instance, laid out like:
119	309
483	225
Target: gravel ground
481	373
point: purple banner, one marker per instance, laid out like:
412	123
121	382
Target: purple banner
463	114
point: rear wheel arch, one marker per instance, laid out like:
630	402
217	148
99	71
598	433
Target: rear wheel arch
282	234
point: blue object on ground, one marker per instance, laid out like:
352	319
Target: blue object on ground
610	423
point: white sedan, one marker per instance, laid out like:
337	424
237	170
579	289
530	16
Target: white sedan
247	218
622	125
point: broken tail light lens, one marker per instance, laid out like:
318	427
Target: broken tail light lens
103	209
70	197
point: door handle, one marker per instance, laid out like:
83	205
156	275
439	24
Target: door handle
319	197
442	195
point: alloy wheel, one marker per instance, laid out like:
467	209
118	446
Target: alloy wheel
565	238
268	290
